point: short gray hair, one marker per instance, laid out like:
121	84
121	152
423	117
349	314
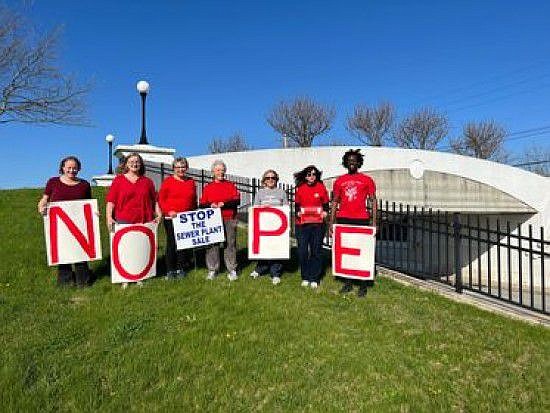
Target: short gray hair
182	160
218	162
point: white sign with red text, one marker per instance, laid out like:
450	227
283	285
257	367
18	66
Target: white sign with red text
71	229
133	252
269	232
353	251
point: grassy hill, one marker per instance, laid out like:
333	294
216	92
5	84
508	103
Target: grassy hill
215	346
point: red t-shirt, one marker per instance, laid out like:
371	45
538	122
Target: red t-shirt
177	195
134	202
58	191
353	190
221	191
310	196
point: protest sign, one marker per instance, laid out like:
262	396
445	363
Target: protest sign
198	228
133	252
269	232
353	251
71	229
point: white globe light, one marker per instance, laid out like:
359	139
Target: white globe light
142	86
109	138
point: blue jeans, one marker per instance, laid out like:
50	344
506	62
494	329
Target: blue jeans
310	244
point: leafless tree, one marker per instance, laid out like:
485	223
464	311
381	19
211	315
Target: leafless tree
301	119
234	143
535	158
371	124
483	140
32	88
422	129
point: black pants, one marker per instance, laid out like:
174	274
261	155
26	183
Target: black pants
360	222
273	267
176	260
81	275
310	245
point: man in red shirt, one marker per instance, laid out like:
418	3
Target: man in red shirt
350	193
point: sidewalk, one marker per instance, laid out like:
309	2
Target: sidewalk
469	297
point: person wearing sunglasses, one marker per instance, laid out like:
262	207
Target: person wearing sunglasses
178	193
350	194
311	207
270	195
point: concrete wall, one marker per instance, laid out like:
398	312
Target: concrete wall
505	186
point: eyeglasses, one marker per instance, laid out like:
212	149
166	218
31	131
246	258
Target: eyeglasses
270	177
312	173
180	167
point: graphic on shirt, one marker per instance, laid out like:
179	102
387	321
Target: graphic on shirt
351	192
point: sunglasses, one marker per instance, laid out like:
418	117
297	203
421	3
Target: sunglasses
270	178
312	173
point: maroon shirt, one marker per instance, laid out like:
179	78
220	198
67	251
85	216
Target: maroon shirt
58	191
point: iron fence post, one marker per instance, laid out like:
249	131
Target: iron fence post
458	258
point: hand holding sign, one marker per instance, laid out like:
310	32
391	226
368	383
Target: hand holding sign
353	251
269	232
198	228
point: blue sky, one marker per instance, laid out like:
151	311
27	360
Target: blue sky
217	67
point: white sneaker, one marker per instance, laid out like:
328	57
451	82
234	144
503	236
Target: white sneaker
313	285
124	286
276	280
254	274
211	275
305	283
232	275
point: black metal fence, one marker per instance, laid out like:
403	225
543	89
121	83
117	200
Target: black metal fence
480	254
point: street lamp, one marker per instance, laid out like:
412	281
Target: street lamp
143	88
110	138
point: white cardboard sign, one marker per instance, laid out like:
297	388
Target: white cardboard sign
353	251
269	232
71	229
198	228
133	252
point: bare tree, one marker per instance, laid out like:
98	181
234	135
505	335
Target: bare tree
234	143
422	129
301	120
32	88
371	124
535	158
483	140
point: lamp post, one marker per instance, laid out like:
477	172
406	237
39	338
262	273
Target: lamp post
143	88
109	139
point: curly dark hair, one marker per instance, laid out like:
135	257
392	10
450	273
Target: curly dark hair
353	152
300	176
69	158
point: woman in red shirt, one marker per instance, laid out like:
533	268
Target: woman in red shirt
177	194
67	187
311	205
223	194
132	198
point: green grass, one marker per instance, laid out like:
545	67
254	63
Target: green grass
216	346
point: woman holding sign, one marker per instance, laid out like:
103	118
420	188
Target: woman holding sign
177	193
132	198
223	194
311	205
68	187
272	196
349	203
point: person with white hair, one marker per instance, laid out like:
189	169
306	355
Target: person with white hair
223	194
